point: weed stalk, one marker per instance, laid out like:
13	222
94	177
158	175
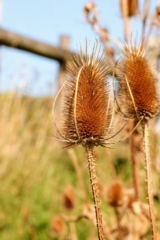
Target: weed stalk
95	191
148	179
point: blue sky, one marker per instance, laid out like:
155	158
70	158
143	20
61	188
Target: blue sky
46	21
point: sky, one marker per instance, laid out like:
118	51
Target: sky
46	21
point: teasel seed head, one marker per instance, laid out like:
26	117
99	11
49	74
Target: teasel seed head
87	113
138	87
57	225
115	194
129	8
69	198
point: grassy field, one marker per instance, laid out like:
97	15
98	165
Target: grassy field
44	189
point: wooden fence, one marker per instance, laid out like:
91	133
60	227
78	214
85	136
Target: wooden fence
60	53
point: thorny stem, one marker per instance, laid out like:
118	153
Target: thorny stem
148	180
118	223
134	160
95	191
145	16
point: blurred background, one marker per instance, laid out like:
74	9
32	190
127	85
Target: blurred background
43	187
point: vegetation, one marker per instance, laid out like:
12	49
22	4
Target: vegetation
44	189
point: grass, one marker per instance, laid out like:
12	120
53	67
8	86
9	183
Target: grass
35	170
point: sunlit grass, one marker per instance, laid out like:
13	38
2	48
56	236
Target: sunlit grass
35	170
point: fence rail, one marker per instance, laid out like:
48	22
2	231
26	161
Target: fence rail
60	53
15	40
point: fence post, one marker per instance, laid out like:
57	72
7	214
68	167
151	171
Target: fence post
64	44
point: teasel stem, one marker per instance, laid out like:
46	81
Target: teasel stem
145	16
118	223
134	159
95	191
148	178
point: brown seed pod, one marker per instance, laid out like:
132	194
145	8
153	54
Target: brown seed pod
87	108
69	198
115	194
128	8
137	84
57	225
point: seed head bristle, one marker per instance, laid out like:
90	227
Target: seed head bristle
137	84
86	116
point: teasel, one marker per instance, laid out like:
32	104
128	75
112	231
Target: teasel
138	98
88	111
115	194
129	8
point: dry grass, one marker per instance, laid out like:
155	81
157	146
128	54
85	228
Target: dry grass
35	173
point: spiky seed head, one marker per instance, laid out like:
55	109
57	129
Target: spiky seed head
57	225
158	10
129	8
69	198
87	108
115	194
137	84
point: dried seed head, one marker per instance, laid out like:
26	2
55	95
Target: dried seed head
129	197
69	198
158	10
57	225
115	194
137	84
87	108
129	8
